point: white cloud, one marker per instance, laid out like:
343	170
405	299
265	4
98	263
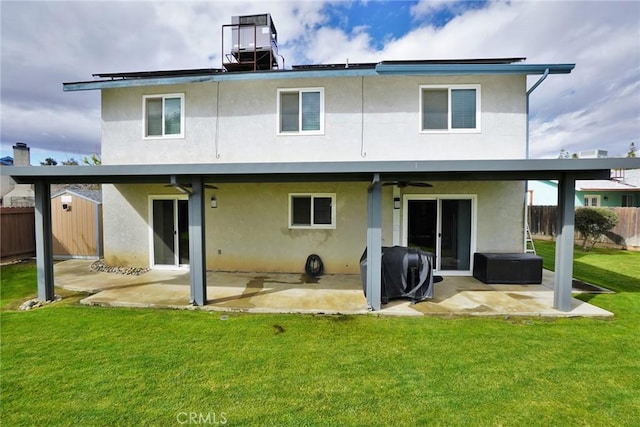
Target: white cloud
47	43
425	8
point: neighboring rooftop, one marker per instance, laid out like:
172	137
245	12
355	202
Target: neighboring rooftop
604	185
6	161
92	195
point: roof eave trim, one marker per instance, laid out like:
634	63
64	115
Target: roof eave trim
465	69
163	81
380	69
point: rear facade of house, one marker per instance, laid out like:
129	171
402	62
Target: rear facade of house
415	110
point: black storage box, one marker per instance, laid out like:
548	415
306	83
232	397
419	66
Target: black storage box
508	268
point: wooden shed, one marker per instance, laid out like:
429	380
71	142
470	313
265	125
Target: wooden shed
76	217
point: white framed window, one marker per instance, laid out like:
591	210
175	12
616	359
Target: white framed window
449	108
163	116
312	210
592	200
301	111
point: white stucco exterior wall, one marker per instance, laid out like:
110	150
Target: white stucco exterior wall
366	119
249	229
236	121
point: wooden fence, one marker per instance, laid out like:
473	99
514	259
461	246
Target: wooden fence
17	232
542	222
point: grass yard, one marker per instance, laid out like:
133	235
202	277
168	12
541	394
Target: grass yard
67	364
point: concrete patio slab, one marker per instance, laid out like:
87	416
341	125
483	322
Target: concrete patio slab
298	293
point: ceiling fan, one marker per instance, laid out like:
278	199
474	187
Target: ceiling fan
403	184
186	188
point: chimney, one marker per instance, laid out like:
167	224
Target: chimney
22	195
21	155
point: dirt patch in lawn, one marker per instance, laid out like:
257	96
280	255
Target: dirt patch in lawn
587	288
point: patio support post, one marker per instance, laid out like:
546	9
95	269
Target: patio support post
374	244
197	243
564	243
44	241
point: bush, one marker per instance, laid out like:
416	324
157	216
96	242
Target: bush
593	223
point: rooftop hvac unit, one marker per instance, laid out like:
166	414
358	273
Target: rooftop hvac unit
254	43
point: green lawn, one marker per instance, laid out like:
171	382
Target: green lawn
67	364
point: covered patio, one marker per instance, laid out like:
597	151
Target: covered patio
191	179
298	293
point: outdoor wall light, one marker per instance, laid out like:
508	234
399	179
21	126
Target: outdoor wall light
214	202
396	203
66	202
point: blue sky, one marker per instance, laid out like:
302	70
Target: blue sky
385	20
381	21
46	43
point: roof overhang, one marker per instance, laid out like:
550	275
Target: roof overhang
391	68
610	190
385	68
433	170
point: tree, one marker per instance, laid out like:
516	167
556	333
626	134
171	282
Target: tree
93	160
70	162
632	150
49	162
593	223
564	154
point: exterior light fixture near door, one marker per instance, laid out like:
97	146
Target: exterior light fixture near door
396	203
214	202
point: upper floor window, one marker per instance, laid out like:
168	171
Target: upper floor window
450	108
301	111
312	210
163	116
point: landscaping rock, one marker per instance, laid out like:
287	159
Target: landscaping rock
36	303
100	266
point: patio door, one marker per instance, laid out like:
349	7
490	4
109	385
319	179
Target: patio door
170	232
443	226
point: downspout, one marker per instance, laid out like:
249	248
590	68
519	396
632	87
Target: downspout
217	130
540	80
363	153
526	183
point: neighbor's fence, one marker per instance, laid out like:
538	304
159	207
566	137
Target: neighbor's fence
543	219
17	232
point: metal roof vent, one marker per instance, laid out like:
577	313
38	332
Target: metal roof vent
254	44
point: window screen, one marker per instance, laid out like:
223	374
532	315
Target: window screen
289	110
301	210
172	119
154	116
435	108
463	108
322	210
310	110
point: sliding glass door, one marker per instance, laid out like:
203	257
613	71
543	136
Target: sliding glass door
443	226
170	232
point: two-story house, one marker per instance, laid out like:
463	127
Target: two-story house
254	168
335	113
